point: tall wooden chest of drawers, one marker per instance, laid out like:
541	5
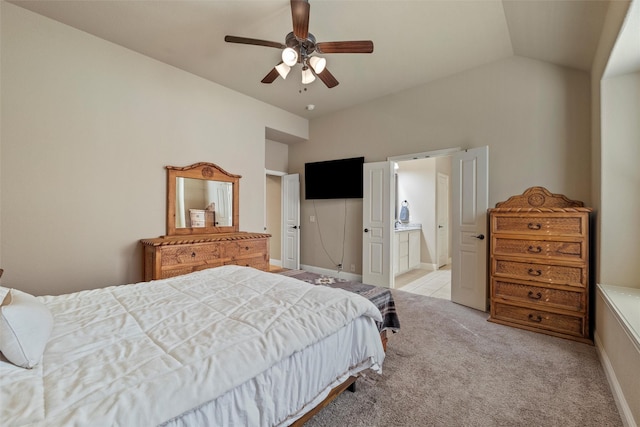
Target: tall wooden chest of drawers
171	256
540	264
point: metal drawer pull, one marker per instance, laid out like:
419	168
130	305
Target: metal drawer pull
193	254
536	319
533	226
533	272
536	296
535	250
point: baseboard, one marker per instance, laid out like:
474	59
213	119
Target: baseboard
334	273
427	266
618	395
276	262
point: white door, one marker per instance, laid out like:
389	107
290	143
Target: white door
442	219
469	202
377	217
220	193
291	221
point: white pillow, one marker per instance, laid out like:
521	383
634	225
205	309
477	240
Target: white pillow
25	327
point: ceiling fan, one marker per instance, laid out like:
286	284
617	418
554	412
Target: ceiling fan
300	46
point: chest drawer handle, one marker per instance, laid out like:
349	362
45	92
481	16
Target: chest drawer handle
535	250
533	272
536	319
533	226
193	254
534	296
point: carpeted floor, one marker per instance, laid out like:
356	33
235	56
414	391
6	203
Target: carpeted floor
448	366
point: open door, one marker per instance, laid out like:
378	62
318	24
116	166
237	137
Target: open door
377	217
442	220
291	221
470	200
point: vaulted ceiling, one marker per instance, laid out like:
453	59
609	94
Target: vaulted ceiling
416	41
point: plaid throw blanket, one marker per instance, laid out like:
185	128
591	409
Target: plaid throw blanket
380	297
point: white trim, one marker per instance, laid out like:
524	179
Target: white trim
276	262
618	395
611	293
333	273
428	266
276	173
425	154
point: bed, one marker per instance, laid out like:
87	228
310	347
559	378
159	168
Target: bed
223	346
379	296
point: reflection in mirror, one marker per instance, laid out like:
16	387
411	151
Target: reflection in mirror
203	203
202	198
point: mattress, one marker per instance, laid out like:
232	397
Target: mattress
163	351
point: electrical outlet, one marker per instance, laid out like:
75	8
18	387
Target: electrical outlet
353	268
312	218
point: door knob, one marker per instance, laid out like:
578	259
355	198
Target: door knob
440	226
366	230
480	237
295	227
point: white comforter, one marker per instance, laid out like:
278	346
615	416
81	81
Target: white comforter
138	355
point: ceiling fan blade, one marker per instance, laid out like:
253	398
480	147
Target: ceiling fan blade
300	15
255	42
327	78
269	78
356	46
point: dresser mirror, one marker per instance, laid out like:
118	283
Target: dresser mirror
202	199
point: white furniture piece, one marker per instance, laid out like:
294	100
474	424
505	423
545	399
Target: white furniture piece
406	247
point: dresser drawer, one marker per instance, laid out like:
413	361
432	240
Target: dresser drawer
572	275
179	270
539	319
244	247
256	261
540	248
541	224
190	254
558	298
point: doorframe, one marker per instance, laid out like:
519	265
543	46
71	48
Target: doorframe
282	236
446	152
426	154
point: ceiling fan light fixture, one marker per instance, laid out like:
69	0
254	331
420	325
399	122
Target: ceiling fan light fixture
318	64
307	76
289	56
283	69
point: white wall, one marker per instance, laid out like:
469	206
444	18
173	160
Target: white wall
87	128
620	356
620	210
534	117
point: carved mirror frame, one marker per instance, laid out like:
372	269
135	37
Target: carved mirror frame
208	172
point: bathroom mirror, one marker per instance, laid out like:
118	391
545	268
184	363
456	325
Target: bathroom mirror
202	198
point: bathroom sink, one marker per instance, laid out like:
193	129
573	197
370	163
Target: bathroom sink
407	226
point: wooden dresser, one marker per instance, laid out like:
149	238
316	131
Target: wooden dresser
171	256
539	249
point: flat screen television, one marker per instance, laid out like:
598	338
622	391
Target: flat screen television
334	179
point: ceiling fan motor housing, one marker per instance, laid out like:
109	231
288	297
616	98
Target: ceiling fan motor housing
305	47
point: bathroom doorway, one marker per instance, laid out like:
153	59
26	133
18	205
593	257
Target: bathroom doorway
422	185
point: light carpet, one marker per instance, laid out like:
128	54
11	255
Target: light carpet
448	366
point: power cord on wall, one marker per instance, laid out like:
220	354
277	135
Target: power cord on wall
340	264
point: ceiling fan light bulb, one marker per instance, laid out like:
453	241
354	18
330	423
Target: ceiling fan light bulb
317	63
289	56
307	76
283	69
